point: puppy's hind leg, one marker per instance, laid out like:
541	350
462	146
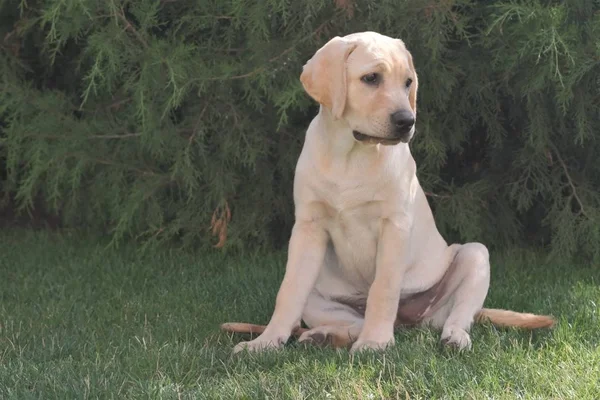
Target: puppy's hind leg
330	323
467	290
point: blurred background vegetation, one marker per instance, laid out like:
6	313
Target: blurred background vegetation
180	122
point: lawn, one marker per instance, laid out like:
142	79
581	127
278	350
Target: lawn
78	320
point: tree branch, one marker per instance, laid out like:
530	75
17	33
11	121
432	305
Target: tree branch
129	167
272	59
256	71
439	196
123	136
58	137
195	129
118	103
129	26
569	180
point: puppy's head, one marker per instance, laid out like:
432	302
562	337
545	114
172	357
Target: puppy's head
370	81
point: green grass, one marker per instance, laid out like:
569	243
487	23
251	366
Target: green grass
80	321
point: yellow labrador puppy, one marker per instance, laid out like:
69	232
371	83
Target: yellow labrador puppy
365	255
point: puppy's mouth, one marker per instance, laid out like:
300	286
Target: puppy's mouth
361	137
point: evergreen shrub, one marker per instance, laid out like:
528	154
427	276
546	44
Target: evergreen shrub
181	121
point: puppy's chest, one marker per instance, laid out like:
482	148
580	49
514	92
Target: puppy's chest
353	222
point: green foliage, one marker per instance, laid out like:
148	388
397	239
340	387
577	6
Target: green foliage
164	120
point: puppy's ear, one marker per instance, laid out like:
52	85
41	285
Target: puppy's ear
412	94
324	75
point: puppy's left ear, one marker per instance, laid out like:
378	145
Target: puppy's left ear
324	75
412	94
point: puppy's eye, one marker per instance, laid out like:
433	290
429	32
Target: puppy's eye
409	82
371	79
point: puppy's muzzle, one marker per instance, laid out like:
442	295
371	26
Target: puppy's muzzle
401	130
402	122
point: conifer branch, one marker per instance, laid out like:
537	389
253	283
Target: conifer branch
129	167
195	129
272	59
65	137
439	196
569	180
145	172
112	106
117	103
123	136
256	71
129	26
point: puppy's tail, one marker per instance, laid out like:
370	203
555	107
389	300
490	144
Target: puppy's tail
253	329
498	317
507	318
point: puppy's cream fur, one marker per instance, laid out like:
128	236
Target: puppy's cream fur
364	229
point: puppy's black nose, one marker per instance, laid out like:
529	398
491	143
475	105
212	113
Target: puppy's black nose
403	120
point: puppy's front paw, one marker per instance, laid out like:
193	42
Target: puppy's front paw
261	344
378	344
